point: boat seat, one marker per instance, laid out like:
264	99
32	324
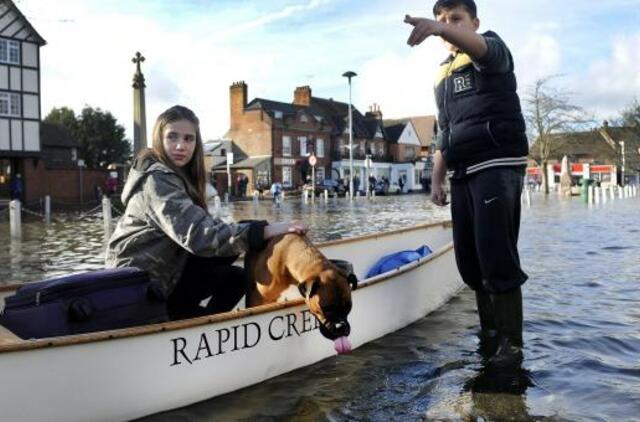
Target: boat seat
7	337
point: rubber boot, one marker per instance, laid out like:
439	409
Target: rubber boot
488	331
507	308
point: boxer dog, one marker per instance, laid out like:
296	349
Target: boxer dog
291	259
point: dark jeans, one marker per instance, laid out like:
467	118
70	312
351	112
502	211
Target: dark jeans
203	278
485	209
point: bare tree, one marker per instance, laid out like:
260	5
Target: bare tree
548	112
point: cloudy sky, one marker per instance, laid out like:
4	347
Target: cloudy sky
195	49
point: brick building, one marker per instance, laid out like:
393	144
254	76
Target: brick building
602	154
288	133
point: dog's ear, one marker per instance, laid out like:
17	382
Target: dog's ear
309	288
353	281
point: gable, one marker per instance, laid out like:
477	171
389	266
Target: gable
14	25
409	135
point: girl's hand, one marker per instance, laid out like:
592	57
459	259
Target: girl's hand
276	229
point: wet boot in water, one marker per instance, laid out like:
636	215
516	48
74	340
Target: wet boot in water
488	331
507	310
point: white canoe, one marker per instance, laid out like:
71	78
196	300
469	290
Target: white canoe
129	373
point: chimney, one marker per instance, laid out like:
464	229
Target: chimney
238	102
302	96
605	124
374	111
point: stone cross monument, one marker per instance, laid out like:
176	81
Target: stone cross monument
139	111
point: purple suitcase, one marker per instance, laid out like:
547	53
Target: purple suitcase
82	303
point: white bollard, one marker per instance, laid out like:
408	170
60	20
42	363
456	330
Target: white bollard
597	195
305	196
216	206
590	198
528	196
256	196
47	209
620	193
326	195
612	192
357	194
106	213
282	195
15	219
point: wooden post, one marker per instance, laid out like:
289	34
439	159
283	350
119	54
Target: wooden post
15	219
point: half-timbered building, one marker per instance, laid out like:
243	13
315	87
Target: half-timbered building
19	94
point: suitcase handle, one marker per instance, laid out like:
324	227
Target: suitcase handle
80	309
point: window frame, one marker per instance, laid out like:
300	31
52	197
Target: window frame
286	146
10	48
287	176
320	147
13	104
302	140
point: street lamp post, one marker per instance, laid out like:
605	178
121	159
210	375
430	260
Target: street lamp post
623	162
350	75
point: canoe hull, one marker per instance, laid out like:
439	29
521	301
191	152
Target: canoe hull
131	376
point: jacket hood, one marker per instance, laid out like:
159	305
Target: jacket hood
140	169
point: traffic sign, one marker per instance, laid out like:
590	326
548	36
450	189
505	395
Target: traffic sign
313	160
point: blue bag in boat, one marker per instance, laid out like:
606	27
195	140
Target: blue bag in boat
82	303
398	259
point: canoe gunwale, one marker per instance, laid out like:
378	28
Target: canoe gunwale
100	336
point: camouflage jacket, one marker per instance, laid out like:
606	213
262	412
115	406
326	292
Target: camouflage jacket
161	226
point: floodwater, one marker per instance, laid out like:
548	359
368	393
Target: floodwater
581	308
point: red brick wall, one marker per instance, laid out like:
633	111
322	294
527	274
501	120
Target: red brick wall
62	184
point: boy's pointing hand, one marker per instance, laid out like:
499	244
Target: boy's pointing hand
422	29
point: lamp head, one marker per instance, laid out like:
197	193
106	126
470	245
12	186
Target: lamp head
349	75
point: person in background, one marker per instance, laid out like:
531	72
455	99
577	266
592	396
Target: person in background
167	230
16	187
482	147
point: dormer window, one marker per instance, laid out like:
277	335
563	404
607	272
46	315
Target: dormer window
304	119
9	52
277	114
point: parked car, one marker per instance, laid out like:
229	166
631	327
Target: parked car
381	189
333	188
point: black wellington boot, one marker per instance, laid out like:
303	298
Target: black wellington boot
488	331
507	308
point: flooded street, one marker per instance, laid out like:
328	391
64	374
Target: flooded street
581	309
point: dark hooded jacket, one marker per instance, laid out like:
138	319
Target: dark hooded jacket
162	225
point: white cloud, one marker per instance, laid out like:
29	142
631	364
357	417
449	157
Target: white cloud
402	84
540	56
192	58
613	82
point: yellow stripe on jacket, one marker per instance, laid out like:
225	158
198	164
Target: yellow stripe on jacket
461	60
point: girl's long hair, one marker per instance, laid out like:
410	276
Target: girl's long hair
193	173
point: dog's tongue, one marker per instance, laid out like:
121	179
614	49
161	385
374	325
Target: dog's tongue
342	345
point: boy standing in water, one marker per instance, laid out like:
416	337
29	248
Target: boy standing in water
483	149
